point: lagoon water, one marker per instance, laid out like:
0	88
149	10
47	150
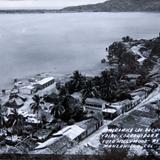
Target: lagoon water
36	43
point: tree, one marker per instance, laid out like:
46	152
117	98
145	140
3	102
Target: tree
57	110
76	83
2	120
63	91
36	105
78	114
109	86
127	39
17	122
90	90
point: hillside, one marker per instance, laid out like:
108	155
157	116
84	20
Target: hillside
118	6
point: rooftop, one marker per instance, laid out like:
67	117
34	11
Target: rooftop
45	80
120	104
71	131
109	110
135	76
28	87
137	118
95	100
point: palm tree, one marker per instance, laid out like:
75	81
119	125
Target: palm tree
57	110
77	80
76	75
78	113
36	105
17	122
109	86
90	90
62	91
127	39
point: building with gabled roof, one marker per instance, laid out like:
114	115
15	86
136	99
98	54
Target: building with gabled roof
14	103
45	82
94	104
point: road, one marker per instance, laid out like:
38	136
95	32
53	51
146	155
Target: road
90	144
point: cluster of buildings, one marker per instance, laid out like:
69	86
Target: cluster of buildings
36	86
48	140
64	139
138	118
111	111
45	141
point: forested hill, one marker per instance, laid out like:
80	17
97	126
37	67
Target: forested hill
108	6
118	6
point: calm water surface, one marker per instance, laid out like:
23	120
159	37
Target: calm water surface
35	43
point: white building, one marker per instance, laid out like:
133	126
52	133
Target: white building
102	106
94	104
109	113
39	85
45	82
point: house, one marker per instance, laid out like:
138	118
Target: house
62	140
39	85
14	103
109	112
139	118
91	125
42	134
147	90
60	146
141	93
151	85
136	100
14	92
44	83
70	135
31	89
73	132
31	119
132	78
54	146
26	145
121	106
94	104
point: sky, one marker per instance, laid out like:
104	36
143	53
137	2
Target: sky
53	4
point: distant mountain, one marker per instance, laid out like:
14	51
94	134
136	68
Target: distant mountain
118	6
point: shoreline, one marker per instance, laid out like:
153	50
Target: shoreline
53	11
56	74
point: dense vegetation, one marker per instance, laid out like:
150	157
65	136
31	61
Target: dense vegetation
110	85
